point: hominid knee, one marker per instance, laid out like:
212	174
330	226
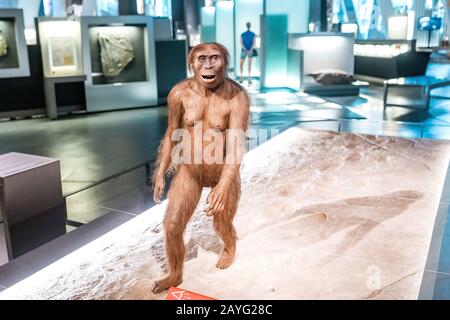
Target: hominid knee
173	228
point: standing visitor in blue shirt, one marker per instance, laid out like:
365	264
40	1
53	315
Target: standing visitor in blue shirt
248	50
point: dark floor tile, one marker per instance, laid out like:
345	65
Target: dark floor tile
351	101
440	109
33	261
401	114
402	130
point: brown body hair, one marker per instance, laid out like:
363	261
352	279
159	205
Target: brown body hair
189	180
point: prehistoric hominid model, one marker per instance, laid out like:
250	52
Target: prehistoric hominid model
215	107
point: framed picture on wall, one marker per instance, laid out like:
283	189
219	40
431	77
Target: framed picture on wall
62	52
60	41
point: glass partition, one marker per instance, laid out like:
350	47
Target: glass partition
282	17
225	34
208	21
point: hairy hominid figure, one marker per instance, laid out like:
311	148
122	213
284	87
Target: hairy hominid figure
211	111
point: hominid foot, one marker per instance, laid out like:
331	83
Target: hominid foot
226	259
166	283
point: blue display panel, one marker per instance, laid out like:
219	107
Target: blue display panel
275	46
281	17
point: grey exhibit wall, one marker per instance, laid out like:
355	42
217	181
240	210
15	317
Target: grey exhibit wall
171	56
14	58
14	102
8	36
133	71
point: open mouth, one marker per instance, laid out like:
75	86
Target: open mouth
208	77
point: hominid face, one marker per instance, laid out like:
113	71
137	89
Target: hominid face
209	67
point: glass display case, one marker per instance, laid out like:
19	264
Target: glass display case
387	59
13	49
117	54
381	50
119	61
60	42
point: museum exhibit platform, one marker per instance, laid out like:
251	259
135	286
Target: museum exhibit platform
323	215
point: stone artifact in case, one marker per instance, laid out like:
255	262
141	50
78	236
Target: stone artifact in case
3	45
116	53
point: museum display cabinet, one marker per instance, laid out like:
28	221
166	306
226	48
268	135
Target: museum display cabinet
60	41
13	48
119	61
387	59
62	63
326	53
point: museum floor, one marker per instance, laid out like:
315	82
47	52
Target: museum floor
94	147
